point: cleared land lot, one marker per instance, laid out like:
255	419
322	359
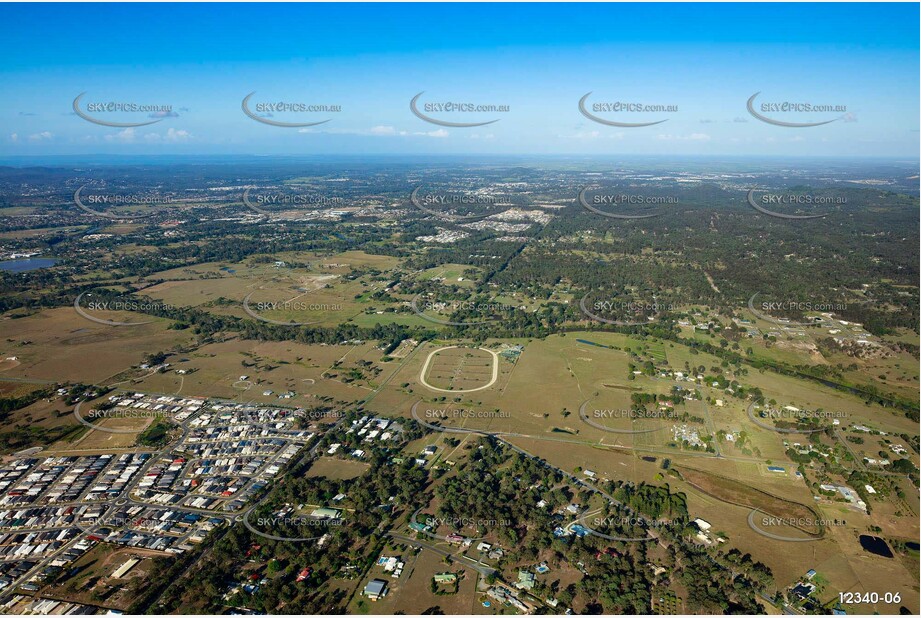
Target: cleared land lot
743	494
412	594
92	582
310	371
337	469
59	345
303	287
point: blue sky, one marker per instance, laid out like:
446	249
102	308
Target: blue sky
537	59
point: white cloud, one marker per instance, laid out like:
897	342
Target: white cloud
435	133
588	136
130	136
125	136
177	135
41	137
377	130
693	137
383	130
14	137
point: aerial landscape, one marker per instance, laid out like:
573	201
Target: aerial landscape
462	320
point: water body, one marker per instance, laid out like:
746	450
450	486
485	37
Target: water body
875	545
26	264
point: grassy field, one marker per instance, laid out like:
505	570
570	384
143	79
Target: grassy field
459	368
310	371
337	469
300	287
58	344
101	440
453	274
412	594
742	494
